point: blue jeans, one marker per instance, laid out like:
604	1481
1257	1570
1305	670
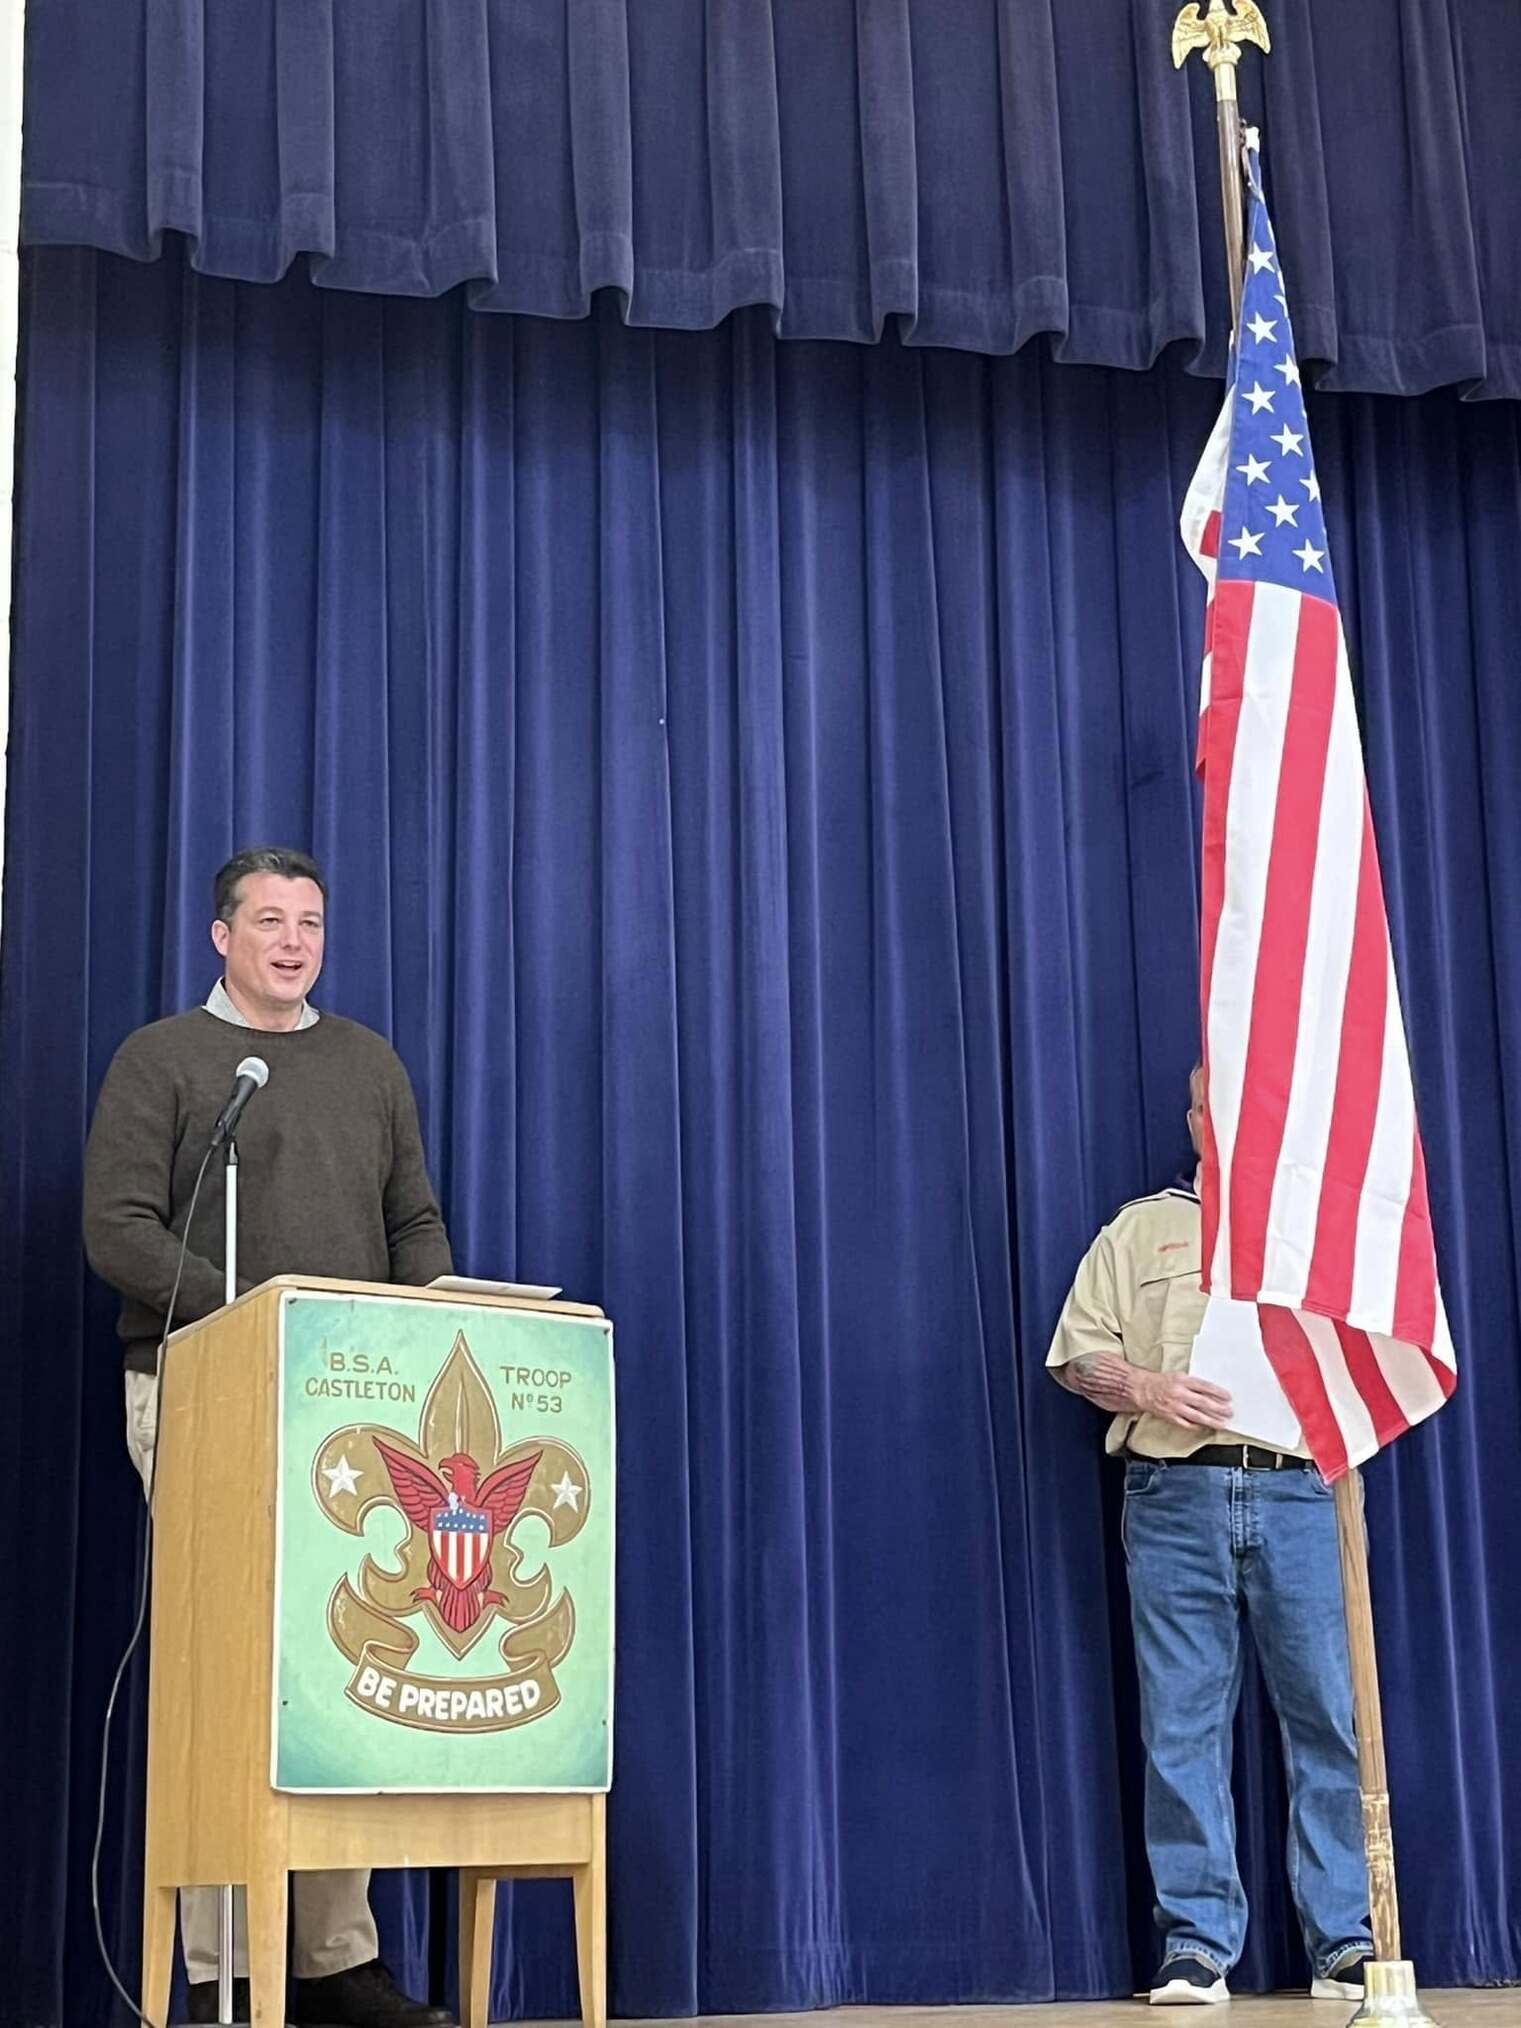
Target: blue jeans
1208	1546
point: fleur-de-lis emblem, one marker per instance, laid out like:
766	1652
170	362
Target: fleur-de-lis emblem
462	1497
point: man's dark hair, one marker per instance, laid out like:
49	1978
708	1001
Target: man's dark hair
281	859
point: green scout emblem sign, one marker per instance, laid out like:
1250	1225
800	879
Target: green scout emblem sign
443	1608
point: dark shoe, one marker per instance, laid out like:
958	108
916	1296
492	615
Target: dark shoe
1344	1982
365	1996
203	2000
1188	1982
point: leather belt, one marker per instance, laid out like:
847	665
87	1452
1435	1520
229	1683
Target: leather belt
1238	1457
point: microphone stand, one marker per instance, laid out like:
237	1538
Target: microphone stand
225	1944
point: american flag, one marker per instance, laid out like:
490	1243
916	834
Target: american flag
1313	1184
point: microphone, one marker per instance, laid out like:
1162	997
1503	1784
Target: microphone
252	1076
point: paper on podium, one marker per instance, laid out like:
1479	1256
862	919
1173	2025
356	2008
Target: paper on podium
472	1285
1229	1351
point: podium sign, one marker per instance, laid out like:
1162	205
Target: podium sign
443	1547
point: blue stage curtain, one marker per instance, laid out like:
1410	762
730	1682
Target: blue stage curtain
755	780
972	171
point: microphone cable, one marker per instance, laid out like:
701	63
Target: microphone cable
144	1593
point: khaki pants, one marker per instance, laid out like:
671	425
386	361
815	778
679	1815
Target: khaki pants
331	1924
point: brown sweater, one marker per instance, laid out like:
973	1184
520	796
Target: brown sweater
331	1177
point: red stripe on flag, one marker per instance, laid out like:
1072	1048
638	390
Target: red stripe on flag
1354	1110
1388	1418
1416	1279
1279	980
1299	1375
1231	608
1446	1379
1209	541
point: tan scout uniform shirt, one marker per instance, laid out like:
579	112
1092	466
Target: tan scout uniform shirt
1137	1295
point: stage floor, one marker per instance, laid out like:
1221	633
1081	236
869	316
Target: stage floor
1487	2009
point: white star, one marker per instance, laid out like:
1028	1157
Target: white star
1287	442
341	1478
1255	469
1260	398
567	1493
1246	544
1260	258
1262	328
1289	368
1309	556
1283	510
1312	485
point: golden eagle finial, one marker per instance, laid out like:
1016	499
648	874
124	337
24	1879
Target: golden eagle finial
1220	33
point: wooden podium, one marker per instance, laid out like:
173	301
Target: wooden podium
213	1815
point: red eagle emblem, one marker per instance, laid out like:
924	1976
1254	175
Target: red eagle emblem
461	1521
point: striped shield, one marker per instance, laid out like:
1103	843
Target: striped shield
460	1538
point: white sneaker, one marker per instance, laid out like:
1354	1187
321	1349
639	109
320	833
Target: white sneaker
1348	1984
1188	1982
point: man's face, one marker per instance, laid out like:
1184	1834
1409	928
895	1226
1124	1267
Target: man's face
1196	1109
272	947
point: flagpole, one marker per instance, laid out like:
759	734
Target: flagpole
1372	1774
1389	1979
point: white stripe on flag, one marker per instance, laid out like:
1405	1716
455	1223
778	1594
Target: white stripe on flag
1295	1211
1408	1375
1347	1405
1443	1350
1248	855
1386	1188
1206	489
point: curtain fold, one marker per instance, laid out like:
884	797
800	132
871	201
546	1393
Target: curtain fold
755	781
973	174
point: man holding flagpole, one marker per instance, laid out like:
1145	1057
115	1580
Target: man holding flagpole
1217	1533
1309	1243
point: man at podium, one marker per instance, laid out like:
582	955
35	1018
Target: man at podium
334	1182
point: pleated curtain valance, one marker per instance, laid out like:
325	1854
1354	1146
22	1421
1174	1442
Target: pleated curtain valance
978	171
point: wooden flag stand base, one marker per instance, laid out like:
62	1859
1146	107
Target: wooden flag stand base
1390	1995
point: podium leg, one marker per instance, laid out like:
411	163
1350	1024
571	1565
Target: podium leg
477	1922
158	1952
267	1922
590	1883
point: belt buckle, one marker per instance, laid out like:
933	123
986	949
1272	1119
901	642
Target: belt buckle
1272	1459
